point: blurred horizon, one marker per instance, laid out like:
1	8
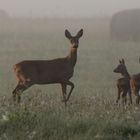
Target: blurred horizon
65	8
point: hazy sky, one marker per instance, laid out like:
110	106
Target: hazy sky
67	8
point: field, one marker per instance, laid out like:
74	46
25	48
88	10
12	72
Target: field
91	113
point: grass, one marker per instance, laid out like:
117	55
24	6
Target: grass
91	112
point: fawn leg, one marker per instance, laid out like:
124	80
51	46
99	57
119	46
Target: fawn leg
124	93
14	93
137	97
130	96
118	96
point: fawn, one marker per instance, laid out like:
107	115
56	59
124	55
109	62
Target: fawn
123	84
60	70
135	86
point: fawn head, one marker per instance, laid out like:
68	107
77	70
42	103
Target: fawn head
121	68
74	40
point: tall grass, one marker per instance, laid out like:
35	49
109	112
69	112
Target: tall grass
91	112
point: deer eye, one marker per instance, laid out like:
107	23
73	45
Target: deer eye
72	41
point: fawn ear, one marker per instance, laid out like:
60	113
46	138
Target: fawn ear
123	61
67	34
80	33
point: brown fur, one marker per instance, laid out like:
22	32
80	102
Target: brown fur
123	84
135	86
58	70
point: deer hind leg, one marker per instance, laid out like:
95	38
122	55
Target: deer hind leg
138	100
135	91
72	87
137	96
19	89
15	91
64	88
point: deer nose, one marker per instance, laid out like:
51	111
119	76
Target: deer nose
75	45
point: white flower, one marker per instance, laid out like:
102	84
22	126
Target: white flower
98	136
31	135
129	117
138	122
5	118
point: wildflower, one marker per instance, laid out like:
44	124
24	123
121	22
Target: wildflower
129	117
31	135
138	122
5	118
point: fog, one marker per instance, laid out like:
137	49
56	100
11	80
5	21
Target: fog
66	8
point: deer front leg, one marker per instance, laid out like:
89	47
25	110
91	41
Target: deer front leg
72	87
118	96
64	88
124	100
130	96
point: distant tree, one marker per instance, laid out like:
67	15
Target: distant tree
125	25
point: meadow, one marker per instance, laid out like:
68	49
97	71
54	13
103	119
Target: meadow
91	113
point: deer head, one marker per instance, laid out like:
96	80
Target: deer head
121	68
74	40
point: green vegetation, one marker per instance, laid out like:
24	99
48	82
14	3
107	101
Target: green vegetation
91	113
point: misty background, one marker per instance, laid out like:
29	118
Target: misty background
66	8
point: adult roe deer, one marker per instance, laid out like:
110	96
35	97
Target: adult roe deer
123	84
60	70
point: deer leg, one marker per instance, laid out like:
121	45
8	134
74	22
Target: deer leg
137	100
137	97
118	97
124	93
72	87
15	91
136	92
130	96
14	94
64	87
19	89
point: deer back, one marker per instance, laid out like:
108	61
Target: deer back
44	71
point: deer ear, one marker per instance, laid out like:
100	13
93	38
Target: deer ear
80	33
67	34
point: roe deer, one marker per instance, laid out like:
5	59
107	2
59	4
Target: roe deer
123	84
135	86
58	70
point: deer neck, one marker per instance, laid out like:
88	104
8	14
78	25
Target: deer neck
72	56
126	75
